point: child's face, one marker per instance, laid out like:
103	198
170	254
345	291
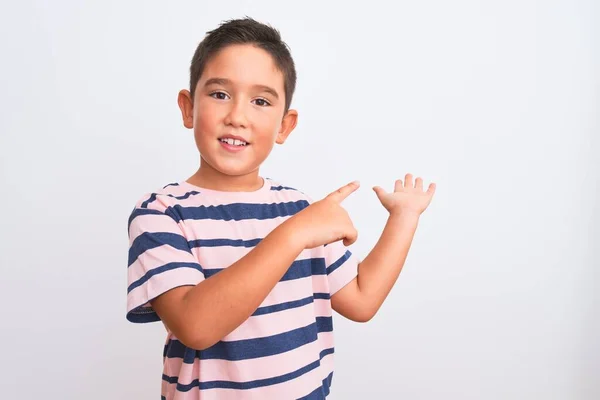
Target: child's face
239	95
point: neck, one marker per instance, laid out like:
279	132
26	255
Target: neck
209	178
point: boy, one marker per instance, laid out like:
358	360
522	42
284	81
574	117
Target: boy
243	271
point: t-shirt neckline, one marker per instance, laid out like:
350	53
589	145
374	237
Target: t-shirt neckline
266	187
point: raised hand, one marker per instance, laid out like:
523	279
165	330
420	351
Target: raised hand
406	197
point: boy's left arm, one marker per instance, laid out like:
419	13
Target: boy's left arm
377	273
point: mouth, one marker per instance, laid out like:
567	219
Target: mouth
234	141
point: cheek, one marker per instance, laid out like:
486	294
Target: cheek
206	120
268	126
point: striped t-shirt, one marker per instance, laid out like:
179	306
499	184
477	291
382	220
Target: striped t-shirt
183	234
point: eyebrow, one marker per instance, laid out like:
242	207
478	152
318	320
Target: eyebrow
224	82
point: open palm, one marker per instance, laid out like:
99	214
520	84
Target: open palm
407	196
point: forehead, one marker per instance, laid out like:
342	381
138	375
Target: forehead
244	65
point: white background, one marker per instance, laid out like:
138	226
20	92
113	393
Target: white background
497	102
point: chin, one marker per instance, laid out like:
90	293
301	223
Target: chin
235	172
233	169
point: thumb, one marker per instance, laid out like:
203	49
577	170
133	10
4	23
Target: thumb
379	192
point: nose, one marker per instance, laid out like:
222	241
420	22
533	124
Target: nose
237	115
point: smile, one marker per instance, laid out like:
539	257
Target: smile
233	142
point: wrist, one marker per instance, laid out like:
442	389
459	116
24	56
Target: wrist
294	237
404	216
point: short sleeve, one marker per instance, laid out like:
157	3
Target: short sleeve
160	259
342	266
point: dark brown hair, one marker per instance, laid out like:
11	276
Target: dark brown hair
245	31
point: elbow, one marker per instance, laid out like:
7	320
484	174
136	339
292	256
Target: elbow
197	339
363	315
200	344
363	318
192	332
355	310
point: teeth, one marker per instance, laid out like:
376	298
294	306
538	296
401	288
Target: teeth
234	142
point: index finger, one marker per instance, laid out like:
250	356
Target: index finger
343	192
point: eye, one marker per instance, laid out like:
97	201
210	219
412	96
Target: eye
219	95
262	102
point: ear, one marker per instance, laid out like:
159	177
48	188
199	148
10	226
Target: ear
287	126
186	105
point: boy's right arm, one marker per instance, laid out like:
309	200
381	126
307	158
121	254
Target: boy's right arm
199	316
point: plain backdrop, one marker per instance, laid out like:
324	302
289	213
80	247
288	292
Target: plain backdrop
497	102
